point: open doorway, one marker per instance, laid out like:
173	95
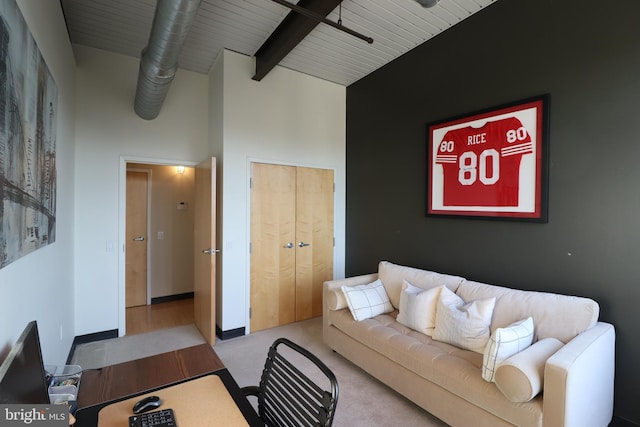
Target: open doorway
158	246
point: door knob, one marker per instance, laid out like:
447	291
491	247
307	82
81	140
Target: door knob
288	245
210	251
302	244
139	239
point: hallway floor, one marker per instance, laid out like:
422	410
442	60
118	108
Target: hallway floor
147	318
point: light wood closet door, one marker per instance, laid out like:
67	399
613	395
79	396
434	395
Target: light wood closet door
273	254
136	239
291	242
314	238
205	272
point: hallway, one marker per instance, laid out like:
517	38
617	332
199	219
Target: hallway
147	318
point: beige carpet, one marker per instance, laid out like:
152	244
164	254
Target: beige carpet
363	400
117	350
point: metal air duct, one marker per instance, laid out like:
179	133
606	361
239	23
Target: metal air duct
159	60
428	3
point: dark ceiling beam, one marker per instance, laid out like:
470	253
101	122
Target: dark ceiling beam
291	31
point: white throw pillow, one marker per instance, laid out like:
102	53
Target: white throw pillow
505	342
367	301
418	307
521	377
463	325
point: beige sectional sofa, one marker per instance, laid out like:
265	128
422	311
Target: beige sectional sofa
569	381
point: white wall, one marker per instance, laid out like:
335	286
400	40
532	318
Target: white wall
39	286
107	131
287	118
170	255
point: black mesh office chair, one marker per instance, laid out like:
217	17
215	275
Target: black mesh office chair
289	397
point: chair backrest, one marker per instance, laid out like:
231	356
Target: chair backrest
288	397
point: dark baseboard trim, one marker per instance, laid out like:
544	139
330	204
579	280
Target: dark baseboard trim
96	336
168	298
232	333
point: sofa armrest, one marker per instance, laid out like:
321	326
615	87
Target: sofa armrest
578	380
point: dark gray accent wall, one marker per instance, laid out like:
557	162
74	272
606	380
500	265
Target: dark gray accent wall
586	55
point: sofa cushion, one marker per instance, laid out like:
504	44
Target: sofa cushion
456	370
418	308
505	342
393	276
367	301
520	377
558	316
465	325
333	297
335	300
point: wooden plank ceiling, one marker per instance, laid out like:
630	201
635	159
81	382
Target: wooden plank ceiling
396	26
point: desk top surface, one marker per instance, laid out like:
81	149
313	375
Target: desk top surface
115	383
200	402
127	378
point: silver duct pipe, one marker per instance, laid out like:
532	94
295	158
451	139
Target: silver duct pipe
159	60
428	3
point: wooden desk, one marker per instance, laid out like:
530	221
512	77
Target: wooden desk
124	379
105	386
200	402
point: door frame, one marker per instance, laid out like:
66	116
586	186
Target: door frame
247	281
122	228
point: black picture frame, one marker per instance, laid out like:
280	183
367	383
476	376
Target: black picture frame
491	164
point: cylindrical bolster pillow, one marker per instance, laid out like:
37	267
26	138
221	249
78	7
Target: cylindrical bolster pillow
520	377
335	299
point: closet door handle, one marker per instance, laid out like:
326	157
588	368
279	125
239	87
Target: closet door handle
303	244
139	239
288	245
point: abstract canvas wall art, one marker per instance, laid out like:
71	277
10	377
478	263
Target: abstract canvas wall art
28	102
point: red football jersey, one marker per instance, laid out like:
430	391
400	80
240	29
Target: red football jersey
482	165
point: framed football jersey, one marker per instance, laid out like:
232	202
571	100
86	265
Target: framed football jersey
492	163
